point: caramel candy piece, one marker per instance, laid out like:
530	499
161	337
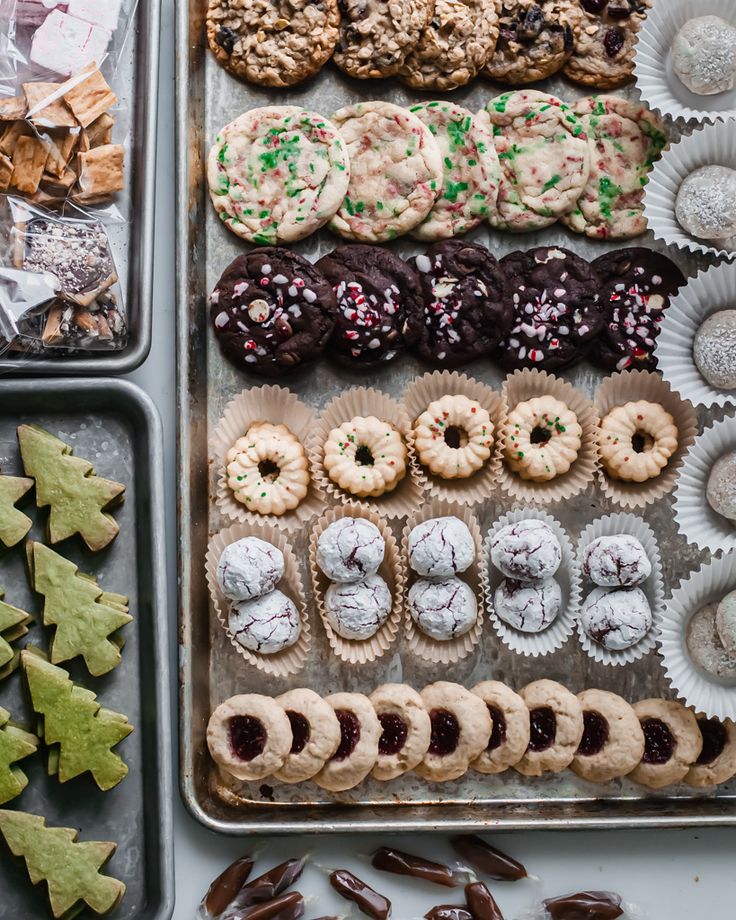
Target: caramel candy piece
388	860
487	859
585	905
286	907
449	912
224	888
29	160
369	902
101	170
267	886
89	98
481	902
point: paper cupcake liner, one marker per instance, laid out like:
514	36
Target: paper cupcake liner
630	386
705	693
527	384
290	660
695	518
420	644
536	645
653	587
711	291
658	84
714	145
361	401
425	390
266	404
361	651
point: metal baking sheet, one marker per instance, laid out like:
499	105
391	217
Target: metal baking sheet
210	670
132	242
114	425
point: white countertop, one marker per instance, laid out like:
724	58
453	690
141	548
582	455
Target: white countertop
669	875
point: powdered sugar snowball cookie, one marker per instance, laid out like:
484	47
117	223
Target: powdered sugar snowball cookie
405	730
510	735
704	55
272	42
705	206
714	350
359	609
357	752
705	646
277	174
526	550
267	624
440	547
442	609
455	46
350	549
315	735
625	139
616	561
672	743
556	728
726	622
545	160
249	568
249	736
471	171
395	172
720	490
613	740
528	608
376	37
616	618
461	727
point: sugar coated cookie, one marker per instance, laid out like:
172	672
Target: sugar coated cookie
267	624
526	550
616	618
350	549
359	609
440	547
720	489
442	608
705	646
528	608
249	568
704	55
714	350
616	561
705	206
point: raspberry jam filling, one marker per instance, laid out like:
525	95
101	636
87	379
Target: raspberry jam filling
349	733
300	731
393	737
445	732
363	456
247	737
498	735
659	742
595	734
714	740
543	725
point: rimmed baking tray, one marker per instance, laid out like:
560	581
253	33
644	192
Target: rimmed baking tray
138	70
210	670
116	426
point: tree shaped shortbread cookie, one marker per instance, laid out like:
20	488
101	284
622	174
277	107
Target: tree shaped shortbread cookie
15	745
14	525
13	625
78	499
70	868
84	616
73	719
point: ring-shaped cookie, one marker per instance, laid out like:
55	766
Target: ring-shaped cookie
672	743
637	441
453	437
267	469
717	761
556	723
510	736
315	735
613	740
542	438
357	752
461	727
249	736
365	456
405	730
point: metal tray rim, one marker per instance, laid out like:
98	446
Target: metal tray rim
121	392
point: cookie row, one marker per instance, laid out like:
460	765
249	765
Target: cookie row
429	44
273	311
377	171
446	730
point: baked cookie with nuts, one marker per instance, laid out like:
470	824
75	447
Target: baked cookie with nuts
273	42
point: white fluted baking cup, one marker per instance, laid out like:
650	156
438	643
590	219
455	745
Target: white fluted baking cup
695	518
659	85
711	291
290	660
536	645
715	698
714	145
653	587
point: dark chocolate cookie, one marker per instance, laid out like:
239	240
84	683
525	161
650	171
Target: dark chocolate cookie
466	306
375	290
272	311
636	288
557	308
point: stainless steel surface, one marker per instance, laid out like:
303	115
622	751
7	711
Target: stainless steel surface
133	243
116	426
210	670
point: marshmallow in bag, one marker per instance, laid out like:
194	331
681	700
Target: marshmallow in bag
65	44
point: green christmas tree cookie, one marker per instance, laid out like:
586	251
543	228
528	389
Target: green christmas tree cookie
70	868
73	719
13	625
84	616
78	499
14	525
15	745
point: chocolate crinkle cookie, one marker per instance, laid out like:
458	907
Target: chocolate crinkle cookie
616	561
375	291
616	618
466	307
272	311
